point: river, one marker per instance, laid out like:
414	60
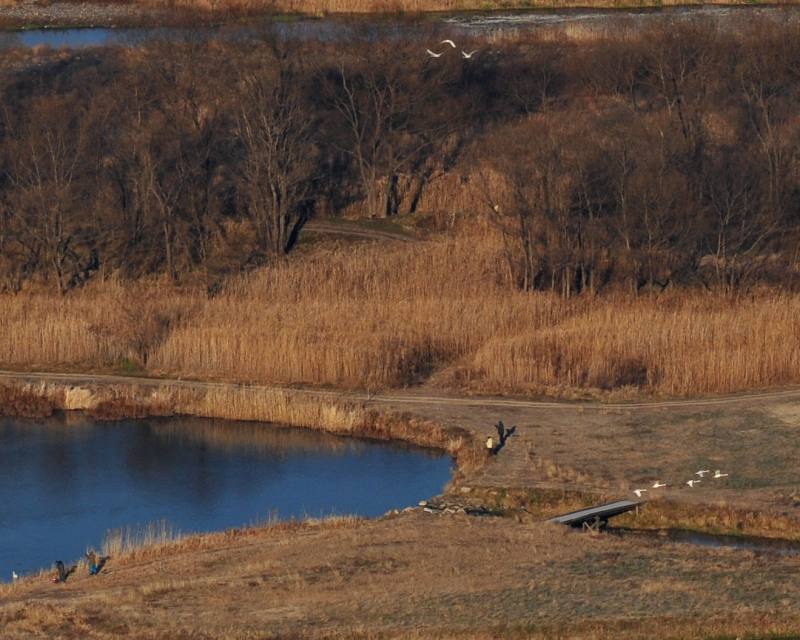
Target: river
575	23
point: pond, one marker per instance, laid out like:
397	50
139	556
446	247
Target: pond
576	22
65	482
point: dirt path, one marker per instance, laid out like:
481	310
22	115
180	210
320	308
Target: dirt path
356	230
416	397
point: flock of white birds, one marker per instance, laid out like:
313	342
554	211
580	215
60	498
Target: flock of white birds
464	54
702	473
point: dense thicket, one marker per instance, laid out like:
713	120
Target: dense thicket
672	156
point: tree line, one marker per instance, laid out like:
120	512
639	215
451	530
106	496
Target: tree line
668	156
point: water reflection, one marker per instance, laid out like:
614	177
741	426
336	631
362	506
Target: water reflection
275	440
64	484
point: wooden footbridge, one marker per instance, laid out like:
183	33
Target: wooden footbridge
596	518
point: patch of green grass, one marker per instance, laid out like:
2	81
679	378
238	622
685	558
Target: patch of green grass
128	367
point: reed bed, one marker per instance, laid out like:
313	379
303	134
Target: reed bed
26	401
323	7
442	312
121	542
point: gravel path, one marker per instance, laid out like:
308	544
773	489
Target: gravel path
26	13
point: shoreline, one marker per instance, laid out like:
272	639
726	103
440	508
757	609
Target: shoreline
479	479
127	398
26	16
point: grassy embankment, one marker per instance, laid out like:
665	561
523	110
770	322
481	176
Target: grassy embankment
441	313
324	7
414	576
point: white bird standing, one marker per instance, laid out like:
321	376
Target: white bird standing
717	474
691	483
433	55
639	492
14	576
467	56
702	472
658	485
450	42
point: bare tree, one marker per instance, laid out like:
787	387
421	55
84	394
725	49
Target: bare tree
742	222
46	201
277	169
382	103
530	195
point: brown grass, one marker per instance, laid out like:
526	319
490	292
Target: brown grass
25	401
324	7
711	518
536	505
393	315
414	576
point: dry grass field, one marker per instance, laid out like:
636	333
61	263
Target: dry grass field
326	7
414	576
440	312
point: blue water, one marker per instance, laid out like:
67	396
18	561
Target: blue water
60	38
65	482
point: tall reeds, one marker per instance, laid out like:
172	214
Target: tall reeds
441	312
118	542
322	7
